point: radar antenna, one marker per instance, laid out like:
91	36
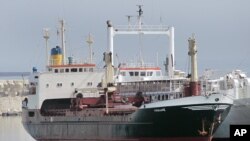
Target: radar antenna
140	15
140	10
90	41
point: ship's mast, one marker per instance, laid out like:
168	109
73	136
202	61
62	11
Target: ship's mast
108	83
140	12
63	41
193	54
171	57
46	37
90	41
144	30
194	72
110	40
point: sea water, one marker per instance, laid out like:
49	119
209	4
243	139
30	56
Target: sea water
11	129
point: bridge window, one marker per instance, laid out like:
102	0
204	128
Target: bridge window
80	69
61	70
56	70
73	70
149	73
91	69
143	73
136	73
59	84
66	70
85	70
131	73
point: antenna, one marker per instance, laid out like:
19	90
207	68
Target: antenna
63	40
46	37
90	41
57	34
129	21
157	59
140	48
140	12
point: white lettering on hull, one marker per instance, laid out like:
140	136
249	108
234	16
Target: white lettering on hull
160	110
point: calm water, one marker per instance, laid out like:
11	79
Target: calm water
11	129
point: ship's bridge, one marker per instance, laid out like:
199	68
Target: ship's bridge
58	64
138	72
72	68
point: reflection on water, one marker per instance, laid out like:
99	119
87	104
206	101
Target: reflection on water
11	129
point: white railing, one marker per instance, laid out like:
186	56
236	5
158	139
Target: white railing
138	65
141	28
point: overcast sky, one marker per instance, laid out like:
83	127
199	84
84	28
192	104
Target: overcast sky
221	27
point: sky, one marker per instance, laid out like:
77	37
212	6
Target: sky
221	28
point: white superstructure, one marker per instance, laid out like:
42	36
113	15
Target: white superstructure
63	79
56	84
235	84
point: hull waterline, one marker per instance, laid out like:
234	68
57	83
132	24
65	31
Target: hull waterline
186	122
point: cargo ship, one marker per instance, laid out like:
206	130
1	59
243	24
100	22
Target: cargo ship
239	113
77	101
